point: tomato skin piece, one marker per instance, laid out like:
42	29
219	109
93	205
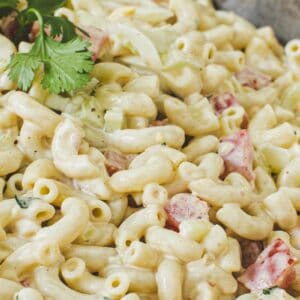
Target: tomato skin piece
253	79
115	161
273	267
185	206
222	101
238	157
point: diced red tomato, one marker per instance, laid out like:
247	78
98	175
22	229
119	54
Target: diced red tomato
222	101
250	251
273	267
238	156
159	122
253	79
185	206
116	161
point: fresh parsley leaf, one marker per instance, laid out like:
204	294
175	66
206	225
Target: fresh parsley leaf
106	298
266	291
269	290
22	69
60	26
46	7
67	66
7	6
24	202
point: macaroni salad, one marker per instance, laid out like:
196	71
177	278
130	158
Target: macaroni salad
174	174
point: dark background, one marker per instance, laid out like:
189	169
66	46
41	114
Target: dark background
282	15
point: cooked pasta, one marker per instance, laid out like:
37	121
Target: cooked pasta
173	175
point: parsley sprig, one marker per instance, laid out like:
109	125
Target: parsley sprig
269	290
66	64
24	202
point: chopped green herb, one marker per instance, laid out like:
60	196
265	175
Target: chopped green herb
61	27
24	202
269	290
66	65
106	298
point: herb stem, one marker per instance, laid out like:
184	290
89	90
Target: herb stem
39	17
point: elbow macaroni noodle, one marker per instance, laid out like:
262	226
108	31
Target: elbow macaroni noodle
84	192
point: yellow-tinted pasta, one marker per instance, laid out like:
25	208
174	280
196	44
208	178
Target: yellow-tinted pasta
147	183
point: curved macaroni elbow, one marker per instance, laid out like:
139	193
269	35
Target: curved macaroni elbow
201	270
42	252
290	175
167	241
140	280
157	169
256	225
6	215
136	225
138	140
132	104
96	258
65	155
263	129
186	14
286	218
175	156
75	218
49	284
195	118
219	194
40	168
10	160
28	293
77	277
169	279
8	288
33	142
30	110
